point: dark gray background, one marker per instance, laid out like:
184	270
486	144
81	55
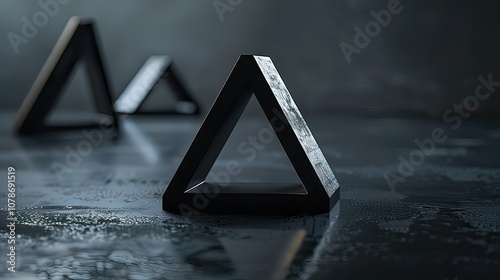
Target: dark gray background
427	58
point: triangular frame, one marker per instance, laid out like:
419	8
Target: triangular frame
188	193
156	69
76	43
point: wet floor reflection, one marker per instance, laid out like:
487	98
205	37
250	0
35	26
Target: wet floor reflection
260	247
83	243
242	254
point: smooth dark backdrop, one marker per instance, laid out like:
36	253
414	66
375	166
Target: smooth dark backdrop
427	58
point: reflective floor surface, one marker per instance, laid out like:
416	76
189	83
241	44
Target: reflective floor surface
97	214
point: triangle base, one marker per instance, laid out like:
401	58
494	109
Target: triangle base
59	128
196	111
248	199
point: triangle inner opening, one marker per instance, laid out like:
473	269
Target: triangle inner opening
161	98
75	103
253	160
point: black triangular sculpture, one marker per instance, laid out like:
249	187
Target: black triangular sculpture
154	70
188	193
77	43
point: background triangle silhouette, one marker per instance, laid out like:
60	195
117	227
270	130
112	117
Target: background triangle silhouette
188	193
155	69
76	44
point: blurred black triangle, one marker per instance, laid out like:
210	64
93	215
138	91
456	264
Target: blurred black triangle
76	44
154	70
188	193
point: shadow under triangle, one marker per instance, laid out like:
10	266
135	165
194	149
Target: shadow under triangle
188	193
76	44
154	70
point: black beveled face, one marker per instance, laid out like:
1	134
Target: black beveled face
155	69
77	43
319	190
